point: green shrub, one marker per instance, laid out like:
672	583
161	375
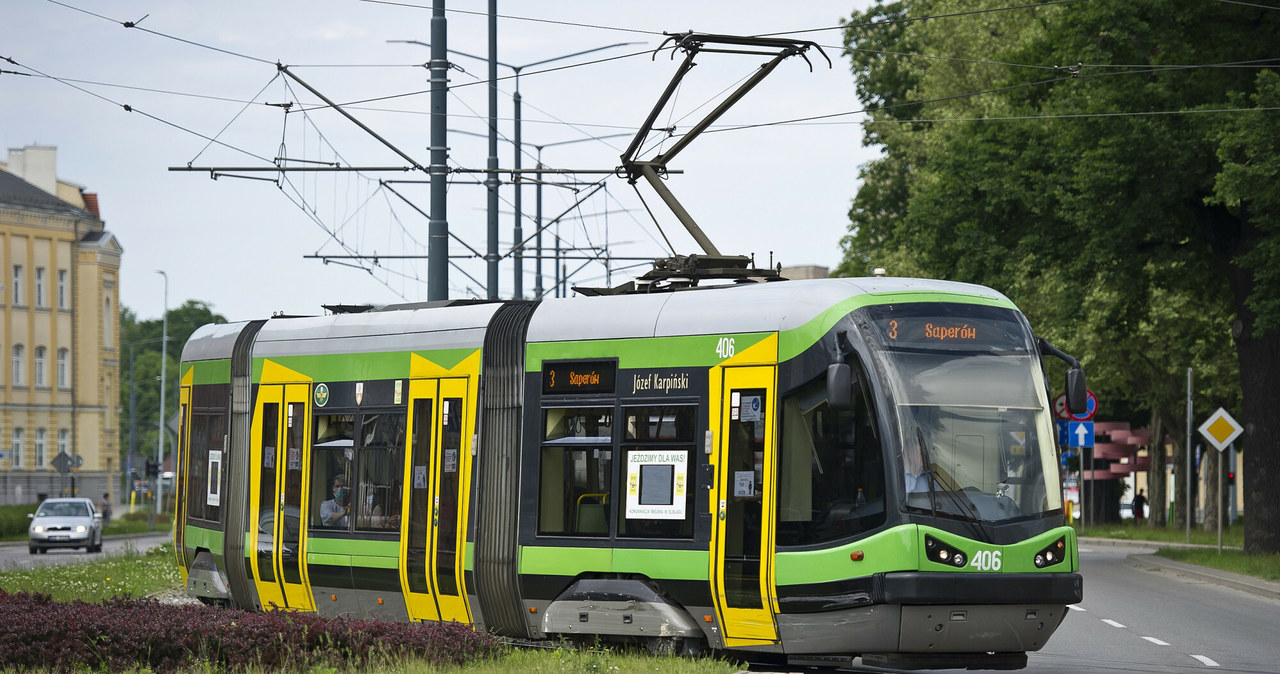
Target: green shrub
14	520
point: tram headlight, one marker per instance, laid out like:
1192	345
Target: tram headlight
940	552
1054	554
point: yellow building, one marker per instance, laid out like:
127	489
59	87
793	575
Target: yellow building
60	339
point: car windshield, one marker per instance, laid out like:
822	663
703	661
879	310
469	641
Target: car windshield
974	431
63	509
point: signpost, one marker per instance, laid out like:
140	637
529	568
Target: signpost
1220	429
1076	430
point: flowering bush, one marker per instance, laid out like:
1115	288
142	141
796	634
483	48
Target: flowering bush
125	634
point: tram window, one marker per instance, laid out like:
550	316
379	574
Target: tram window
665	423
826	459
380	461
575	486
206	435
332	453
583	423
657	471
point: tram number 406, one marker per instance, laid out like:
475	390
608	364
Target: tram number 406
724	347
986	560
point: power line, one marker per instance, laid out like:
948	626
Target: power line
572	24
135	25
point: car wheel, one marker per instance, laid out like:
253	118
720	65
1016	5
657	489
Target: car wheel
31	549
42	550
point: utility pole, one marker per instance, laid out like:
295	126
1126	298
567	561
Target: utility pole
438	229
164	357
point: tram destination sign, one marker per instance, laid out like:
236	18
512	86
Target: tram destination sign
579	376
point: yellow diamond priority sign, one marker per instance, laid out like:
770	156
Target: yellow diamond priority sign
1221	429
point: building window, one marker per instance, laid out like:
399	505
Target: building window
107	321
62	288
17	285
63	443
40	462
16	448
39	286
41	355
18	354
64	368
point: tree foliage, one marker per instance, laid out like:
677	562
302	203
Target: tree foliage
1112	168
141	343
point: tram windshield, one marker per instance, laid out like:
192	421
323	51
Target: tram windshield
975	437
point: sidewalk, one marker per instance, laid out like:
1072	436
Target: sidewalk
1256	586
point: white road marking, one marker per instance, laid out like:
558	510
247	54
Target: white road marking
1156	641
1112	623
1206	661
1073	607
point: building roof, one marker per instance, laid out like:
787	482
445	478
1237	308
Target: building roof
15	191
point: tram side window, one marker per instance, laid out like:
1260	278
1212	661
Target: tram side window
576	472
204	464
332	454
657	472
827	458
381	465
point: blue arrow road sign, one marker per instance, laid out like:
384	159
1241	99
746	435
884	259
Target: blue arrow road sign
1064	427
1081	434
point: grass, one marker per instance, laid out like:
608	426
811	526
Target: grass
130	573
1126	530
569	659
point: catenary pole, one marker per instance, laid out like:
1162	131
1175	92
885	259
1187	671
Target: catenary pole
438	228
491	180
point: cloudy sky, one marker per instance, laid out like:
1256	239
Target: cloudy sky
204	90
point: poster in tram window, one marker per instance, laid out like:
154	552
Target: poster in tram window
656	484
212	496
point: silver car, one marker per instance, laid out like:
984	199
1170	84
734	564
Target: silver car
65	523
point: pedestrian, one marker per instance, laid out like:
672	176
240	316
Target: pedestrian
1139	508
106	510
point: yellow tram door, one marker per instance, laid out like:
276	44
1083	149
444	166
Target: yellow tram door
743	527
180	483
437	470
278	458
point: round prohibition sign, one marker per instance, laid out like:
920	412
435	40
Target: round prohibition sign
1090	407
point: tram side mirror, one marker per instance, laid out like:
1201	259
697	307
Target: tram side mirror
1077	391
840	387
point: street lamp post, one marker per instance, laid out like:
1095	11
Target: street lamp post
518	230
164	357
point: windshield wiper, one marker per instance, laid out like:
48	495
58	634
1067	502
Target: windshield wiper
931	474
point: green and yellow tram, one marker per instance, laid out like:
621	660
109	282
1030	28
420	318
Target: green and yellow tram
801	470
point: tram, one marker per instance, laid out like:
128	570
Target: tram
803	471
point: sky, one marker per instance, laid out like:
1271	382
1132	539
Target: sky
204	90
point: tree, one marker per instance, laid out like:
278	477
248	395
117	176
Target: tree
142	343
1134	227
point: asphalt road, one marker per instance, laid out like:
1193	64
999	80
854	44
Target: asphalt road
16	556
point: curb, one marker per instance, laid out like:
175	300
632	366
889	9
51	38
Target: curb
1255	586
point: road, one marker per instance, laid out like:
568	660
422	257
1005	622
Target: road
16	556
1138	620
